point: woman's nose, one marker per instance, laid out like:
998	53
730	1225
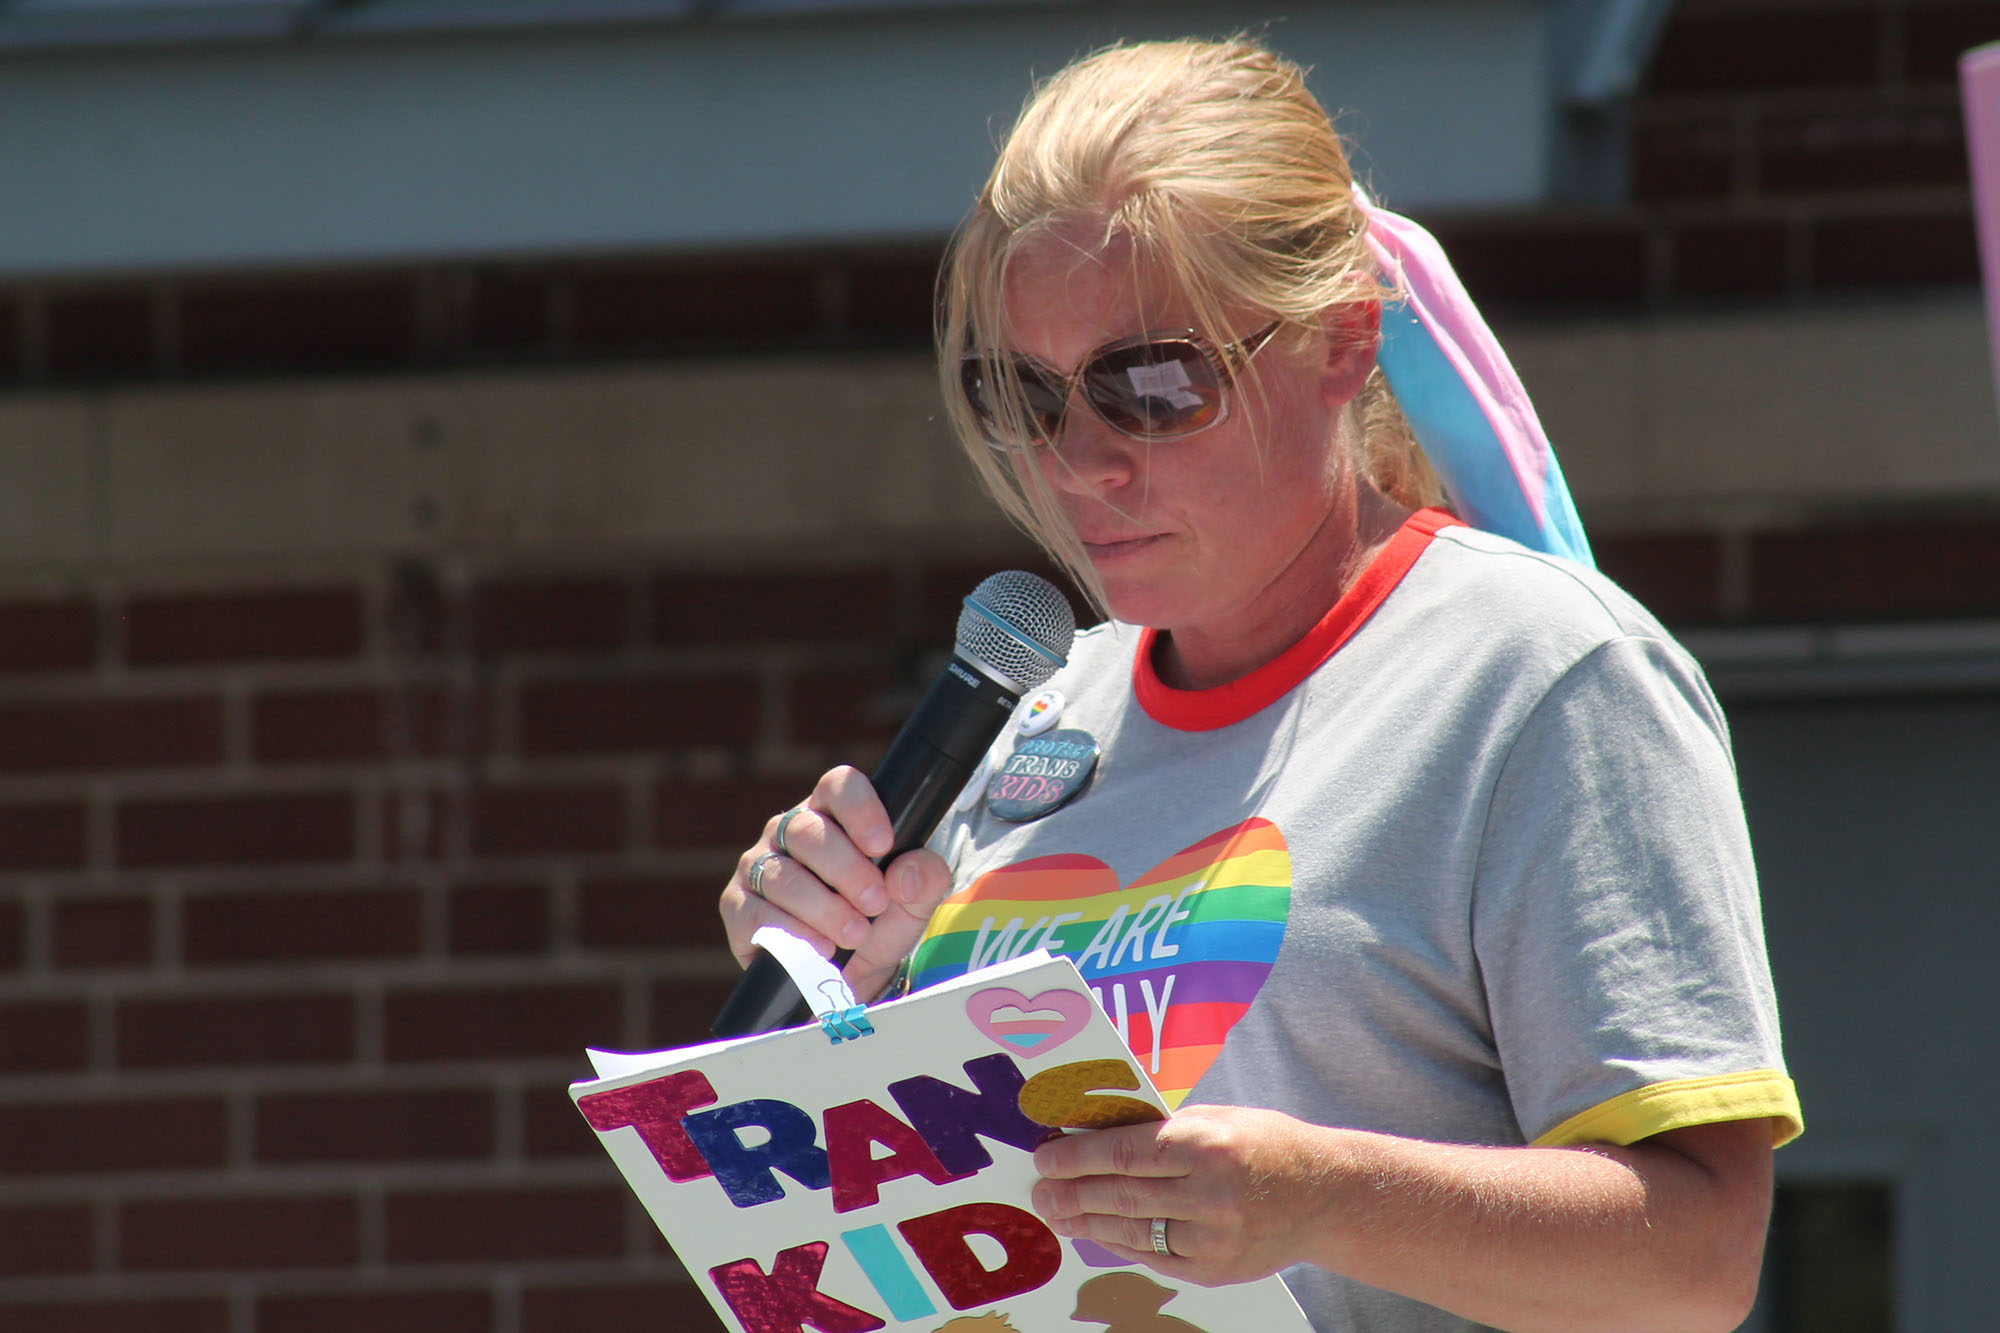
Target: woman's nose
1089	457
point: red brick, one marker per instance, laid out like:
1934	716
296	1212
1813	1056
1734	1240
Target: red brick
721	813
1817	46
43	1036
486	1023
892	298
48	636
709	305
1678	578
462	1226
13	935
66	736
99	334
330	324
300	925
569	615
42	837
682	1011
499	919
294	624
548	820
377	1312
1740	260
236	830
60	1138
1888	572
552	1126
796	606
378	1125
11	369
104	932
850	707
1862	148
1878	252
304	1232
509	312
1935	36
644	913
1578	261
202	1315
611	714
943	588
657	1307
354	725
44	1240
1684	159
235	1030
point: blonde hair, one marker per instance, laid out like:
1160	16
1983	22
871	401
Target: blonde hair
1223	173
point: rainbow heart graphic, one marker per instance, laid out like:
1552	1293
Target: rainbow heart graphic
1175	957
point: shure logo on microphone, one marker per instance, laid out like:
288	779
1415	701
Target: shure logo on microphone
964	675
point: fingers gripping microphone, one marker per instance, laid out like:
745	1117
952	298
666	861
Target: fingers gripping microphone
1014	632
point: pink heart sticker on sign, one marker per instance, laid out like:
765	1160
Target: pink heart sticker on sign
1030	1027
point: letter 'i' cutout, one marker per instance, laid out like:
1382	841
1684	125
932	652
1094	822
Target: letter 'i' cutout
876	1252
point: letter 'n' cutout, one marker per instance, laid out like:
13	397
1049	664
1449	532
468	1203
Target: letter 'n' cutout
1033	1252
951	1118
858	1175
788	1298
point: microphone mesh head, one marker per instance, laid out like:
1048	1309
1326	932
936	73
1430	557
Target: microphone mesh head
1018	627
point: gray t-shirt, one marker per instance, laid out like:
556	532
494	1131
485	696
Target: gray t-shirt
1468	864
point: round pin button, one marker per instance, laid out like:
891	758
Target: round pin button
1041	713
1042	775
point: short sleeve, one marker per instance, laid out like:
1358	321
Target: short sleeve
1615	913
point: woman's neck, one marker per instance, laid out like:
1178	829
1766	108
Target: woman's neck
1350	539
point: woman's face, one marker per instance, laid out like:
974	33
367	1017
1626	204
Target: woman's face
1208	536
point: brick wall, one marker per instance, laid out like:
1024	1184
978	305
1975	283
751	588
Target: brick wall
311	898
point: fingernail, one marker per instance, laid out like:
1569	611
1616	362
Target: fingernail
854	934
873	899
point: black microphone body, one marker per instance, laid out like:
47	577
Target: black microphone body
930	761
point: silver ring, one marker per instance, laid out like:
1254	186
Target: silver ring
756	875
778	838
1160	1238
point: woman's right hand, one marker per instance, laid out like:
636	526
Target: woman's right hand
826	889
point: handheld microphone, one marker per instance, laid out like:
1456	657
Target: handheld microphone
1013	633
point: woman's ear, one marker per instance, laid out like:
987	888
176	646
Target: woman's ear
1353	332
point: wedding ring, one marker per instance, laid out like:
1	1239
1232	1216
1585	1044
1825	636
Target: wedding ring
778	838
756	875
1160	1238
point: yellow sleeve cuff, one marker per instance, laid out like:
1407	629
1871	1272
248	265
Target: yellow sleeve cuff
1678	1103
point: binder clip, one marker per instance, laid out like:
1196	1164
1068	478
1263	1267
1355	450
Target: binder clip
848	1023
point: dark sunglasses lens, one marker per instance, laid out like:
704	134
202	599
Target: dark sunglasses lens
1041	403
1154	389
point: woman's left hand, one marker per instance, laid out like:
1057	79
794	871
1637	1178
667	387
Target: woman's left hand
1242	1190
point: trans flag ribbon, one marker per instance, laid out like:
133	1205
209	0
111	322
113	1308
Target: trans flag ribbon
1462	398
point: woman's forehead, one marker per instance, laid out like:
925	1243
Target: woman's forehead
1109	291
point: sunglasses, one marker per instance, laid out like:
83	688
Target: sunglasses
1156	386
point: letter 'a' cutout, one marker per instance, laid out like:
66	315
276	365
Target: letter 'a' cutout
852	1130
1033	1252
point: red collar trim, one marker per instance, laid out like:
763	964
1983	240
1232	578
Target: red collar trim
1225	705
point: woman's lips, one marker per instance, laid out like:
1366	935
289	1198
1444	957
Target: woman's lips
1113	548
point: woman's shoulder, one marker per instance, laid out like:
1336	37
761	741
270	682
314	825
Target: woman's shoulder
1510	584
